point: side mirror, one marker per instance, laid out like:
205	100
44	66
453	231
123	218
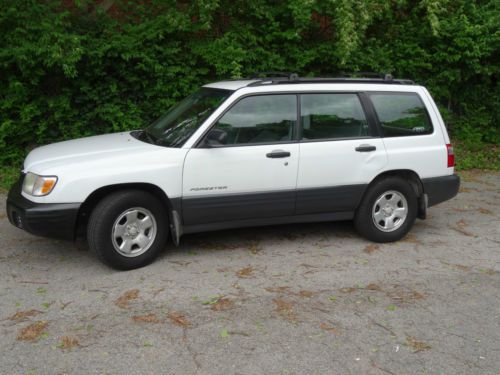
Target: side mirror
215	138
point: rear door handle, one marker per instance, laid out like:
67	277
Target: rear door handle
365	148
278	154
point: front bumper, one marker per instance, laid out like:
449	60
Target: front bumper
57	220
440	189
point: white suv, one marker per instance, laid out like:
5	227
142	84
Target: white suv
246	153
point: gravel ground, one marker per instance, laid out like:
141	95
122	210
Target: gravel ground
294	299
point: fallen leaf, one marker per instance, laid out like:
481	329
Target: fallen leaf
254	248
329	328
484	211
372	286
402	296
460	228
285	309
348	290
391	308
306	293
371	248
417	346
24	315
277	289
178	319
126	297
462	267
244	272
149	318
410	238
68	342
222	304
33	331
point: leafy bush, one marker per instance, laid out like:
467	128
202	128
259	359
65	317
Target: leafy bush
74	68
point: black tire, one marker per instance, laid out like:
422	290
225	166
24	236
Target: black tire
102	221
363	220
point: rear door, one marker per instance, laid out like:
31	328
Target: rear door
340	152
246	168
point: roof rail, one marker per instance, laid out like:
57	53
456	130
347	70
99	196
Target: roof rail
279	78
259	75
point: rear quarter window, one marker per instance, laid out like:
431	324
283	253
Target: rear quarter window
401	114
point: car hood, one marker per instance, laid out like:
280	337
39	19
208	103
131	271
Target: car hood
88	149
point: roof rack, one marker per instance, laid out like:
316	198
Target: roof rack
280	78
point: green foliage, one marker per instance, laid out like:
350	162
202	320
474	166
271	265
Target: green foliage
71	69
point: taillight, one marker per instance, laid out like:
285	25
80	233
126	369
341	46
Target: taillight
451	155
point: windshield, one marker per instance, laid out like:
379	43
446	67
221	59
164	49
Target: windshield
175	127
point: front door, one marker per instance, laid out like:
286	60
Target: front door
246	168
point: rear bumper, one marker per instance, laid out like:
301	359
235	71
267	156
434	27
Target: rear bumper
57	220
440	189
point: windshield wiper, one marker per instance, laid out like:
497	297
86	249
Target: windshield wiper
150	138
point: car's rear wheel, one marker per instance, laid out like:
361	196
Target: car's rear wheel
127	229
387	211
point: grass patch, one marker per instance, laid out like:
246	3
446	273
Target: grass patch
482	156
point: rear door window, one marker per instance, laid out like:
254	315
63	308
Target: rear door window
332	116
401	114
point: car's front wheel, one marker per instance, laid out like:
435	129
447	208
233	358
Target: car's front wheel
127	229
387	211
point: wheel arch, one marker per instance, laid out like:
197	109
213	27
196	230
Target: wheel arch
97	195
414	181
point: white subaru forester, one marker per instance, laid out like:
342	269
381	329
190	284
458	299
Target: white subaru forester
243	153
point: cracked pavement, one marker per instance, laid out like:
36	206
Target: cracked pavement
292	299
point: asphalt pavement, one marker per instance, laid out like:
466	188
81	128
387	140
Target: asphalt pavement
291	299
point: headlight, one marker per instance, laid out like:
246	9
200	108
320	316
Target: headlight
38	185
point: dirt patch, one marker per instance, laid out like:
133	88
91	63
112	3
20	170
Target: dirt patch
148	318
284	309
69	342
222	304
178	319
22	316
33	331
245	272
417	346
123	301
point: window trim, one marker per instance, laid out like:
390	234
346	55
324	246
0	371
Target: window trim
198	143
379	123
372	127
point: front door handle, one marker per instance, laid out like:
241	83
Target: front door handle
278	154
365	148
